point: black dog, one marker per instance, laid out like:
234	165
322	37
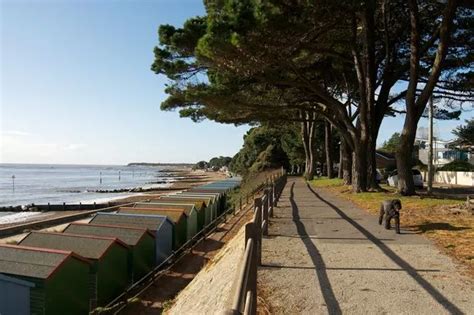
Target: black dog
391	210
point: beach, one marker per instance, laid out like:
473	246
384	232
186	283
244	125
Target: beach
183	178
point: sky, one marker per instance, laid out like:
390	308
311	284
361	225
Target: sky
76	86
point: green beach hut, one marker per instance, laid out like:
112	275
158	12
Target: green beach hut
141	244
109	275
199	205
58	280
189	210
159	225
207	204
178	218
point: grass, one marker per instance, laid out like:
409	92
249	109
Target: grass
437	219
327	182
249	185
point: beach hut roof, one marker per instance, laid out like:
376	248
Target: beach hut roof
187	207
92	247
130	220
33	262
199	202
129	235
175	215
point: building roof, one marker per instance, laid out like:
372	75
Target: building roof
204	200
92	247
130	220
199	204
33	262
214	196
385	155
187	207
129	235
175	215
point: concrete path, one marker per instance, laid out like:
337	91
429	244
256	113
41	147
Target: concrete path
325	256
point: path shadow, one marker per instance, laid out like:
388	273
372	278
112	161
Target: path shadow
276	266
431	290
318	262
438	226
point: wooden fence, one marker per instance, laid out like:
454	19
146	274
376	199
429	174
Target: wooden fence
244	298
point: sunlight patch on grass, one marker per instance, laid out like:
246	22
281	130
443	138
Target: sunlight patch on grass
326	182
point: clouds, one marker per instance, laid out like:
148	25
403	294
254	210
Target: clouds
16	133
18	146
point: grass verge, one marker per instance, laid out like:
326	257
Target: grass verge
442	220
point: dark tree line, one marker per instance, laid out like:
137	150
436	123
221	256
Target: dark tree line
347	64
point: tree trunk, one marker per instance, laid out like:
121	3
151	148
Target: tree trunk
328	147
307	135
346	163
339	170
406	185
359	168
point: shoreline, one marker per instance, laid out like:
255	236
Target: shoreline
187	179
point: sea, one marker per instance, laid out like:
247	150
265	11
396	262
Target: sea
24	184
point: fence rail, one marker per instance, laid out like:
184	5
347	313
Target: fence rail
244	299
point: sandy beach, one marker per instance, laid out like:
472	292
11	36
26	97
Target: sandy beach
185	179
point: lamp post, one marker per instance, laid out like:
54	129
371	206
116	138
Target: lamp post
430	148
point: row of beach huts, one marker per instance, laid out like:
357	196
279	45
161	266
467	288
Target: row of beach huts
89	264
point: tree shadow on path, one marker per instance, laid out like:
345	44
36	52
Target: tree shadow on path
440	298
318	262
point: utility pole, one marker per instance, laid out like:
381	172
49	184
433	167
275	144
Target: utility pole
430	147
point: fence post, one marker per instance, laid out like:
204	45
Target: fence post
272	199
258	230
265	211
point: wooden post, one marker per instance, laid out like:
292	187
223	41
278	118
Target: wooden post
258	229
272	200
265	212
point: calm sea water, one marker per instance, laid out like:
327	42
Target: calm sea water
41	184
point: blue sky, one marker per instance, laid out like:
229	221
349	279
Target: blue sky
76	86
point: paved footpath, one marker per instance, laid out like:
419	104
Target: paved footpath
325	256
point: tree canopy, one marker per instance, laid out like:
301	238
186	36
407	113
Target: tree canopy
346	62
465	134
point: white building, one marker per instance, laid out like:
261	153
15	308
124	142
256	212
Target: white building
443	153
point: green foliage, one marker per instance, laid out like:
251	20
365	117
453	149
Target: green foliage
215	163
392	144
218	162
465	134
200	165
457	166
262	149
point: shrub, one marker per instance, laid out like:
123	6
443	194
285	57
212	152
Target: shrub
457	166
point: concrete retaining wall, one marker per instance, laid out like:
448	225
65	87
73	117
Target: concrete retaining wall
452	178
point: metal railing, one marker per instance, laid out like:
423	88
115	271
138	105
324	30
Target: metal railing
244	298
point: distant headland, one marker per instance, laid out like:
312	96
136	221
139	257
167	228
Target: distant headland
160	164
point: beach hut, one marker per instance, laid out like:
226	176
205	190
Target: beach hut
42	281
189	210
176	216
200	206
141	244
215	197
210	205
109	275
14	296
160	226
219	193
